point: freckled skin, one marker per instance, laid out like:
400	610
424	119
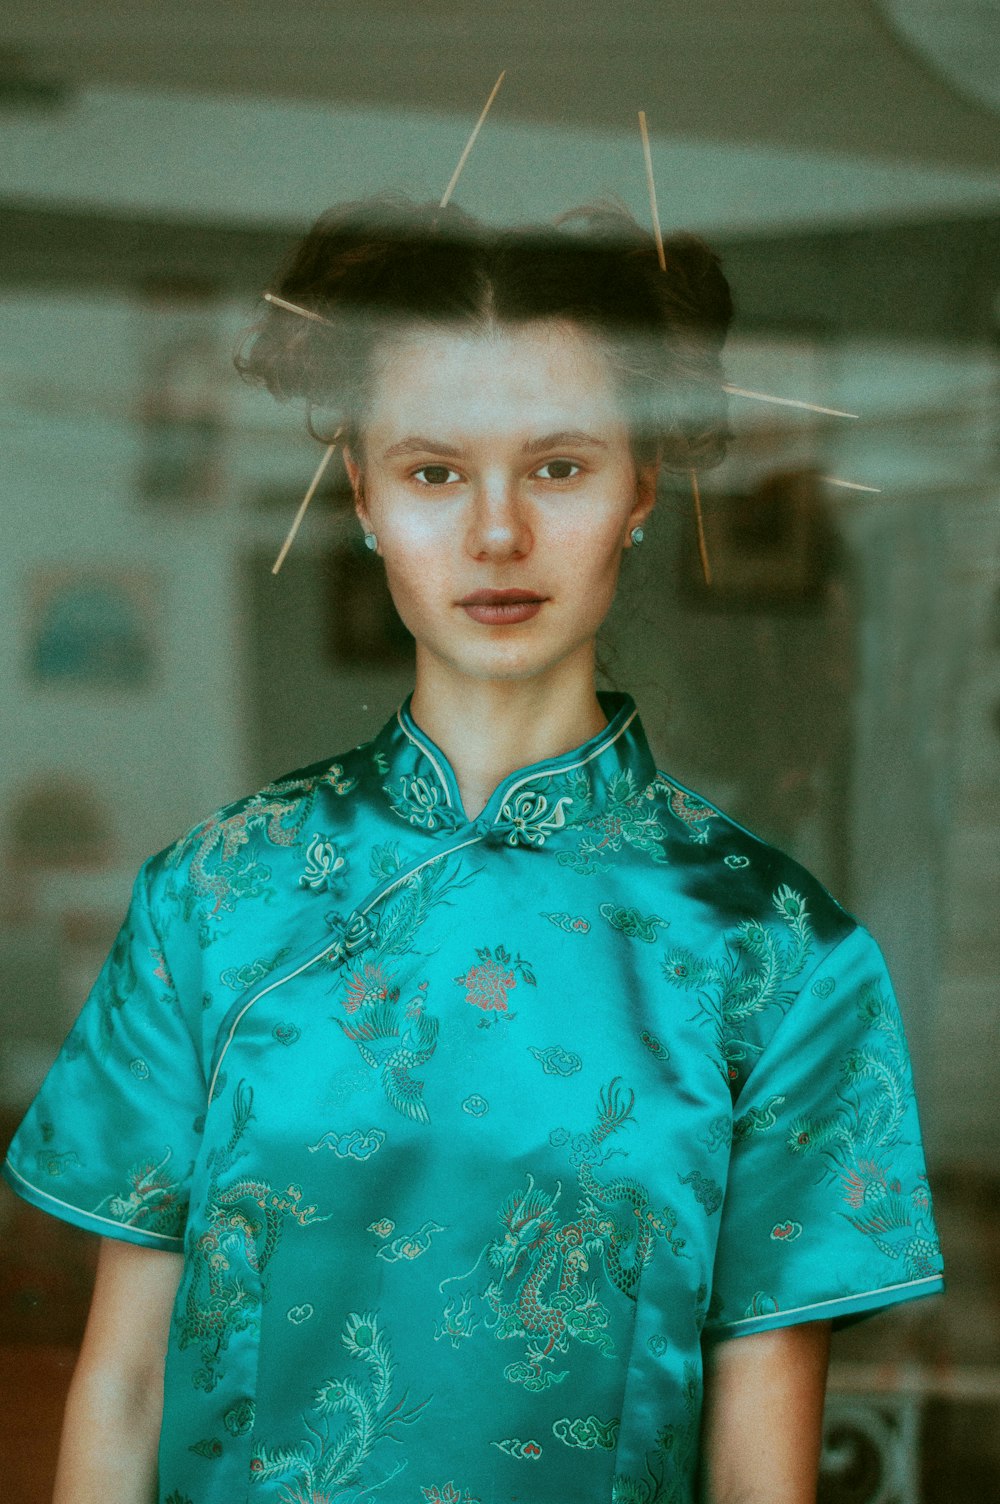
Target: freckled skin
488	515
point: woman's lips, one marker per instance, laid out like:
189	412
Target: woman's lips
500	613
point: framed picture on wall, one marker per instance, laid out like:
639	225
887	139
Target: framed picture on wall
771	546
91	628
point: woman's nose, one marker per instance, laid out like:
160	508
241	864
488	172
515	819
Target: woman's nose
499	524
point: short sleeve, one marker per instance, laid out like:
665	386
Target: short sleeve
827	1212
110	1140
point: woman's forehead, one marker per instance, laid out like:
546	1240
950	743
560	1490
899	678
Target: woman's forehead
542	376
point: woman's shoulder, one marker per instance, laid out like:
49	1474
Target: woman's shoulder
251	846
743	875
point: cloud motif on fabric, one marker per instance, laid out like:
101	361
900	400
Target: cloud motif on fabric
355	1144
555	1061
586	1432
632	923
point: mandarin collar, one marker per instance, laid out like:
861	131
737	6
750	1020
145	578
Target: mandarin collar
530	803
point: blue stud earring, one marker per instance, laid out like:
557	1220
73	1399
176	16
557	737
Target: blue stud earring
637	536
371	541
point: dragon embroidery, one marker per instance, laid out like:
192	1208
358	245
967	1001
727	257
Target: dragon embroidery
245	1217
751	974
855	1141
540	1291
221	870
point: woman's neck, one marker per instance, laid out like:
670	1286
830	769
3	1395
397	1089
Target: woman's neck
488	728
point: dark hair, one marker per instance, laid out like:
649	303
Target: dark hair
371	267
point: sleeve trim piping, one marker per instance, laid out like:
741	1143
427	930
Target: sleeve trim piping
35	1194
839	1301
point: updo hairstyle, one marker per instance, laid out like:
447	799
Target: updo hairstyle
376	269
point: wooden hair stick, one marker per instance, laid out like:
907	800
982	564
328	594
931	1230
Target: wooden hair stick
307	313
290	538
446	196
850	485
651	186
318	318
812	407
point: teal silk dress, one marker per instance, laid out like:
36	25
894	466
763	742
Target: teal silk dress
472	1133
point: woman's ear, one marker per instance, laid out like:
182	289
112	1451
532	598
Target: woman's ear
354	476
646	478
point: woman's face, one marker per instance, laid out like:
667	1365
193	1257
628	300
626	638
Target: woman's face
499	461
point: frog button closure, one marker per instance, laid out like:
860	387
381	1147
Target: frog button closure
356	932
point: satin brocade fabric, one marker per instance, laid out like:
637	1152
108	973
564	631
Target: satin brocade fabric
474	1133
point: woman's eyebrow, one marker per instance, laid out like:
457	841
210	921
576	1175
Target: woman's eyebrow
418	444
573	436
415	443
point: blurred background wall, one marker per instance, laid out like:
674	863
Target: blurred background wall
838	691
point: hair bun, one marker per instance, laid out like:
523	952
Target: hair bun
373	268
698	285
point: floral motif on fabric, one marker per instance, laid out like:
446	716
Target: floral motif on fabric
222	865
541	1260
626	816
351	1420
448	1494
856	1140
325	864
530	816
751	974
244	1217
493	978
421	802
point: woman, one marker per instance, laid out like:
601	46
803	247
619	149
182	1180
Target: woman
476	1097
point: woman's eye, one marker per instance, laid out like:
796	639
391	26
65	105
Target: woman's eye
435	475
559	469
